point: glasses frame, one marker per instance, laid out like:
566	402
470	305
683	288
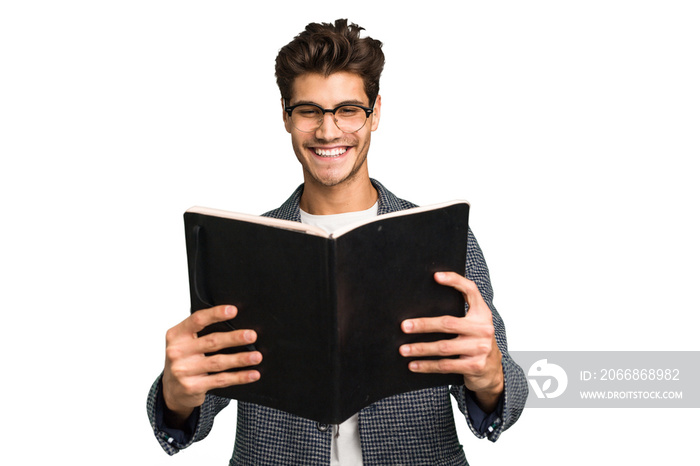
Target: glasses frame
368	111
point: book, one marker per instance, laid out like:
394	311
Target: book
327	308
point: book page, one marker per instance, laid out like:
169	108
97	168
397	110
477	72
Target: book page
399	213
268	221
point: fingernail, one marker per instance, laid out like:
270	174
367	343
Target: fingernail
254	375
413	366
249	335
439	275
228	310
407	325
405	350
255	358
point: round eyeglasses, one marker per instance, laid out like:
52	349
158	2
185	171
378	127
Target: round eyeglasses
308	117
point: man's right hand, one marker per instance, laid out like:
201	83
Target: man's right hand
189	373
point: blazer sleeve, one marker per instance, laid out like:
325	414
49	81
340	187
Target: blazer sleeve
173	440
516	390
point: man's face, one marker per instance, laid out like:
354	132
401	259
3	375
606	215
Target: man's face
328	155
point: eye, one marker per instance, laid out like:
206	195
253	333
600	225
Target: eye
349	111
307	111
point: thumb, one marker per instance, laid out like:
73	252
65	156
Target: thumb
471	293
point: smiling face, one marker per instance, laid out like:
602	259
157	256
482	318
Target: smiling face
329	156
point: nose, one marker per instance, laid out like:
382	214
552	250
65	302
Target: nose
328	130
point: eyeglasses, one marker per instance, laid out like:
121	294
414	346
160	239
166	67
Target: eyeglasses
349	118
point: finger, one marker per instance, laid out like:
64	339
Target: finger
221	340
194	373
465	365
227	379
439	366
198	321
227	362
454	347
442	324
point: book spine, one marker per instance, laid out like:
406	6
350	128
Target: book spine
334	336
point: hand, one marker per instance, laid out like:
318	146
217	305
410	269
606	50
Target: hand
479	358
189	373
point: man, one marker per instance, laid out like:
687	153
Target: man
329	80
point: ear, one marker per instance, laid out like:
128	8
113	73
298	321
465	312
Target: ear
286	119
376	113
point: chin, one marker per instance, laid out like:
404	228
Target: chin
329	181
336	179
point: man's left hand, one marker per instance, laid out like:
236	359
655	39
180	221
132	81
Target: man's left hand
479	358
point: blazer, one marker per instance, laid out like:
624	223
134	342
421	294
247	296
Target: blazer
415	428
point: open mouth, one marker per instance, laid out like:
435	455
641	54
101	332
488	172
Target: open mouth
335	152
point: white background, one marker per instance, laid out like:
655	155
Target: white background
571	127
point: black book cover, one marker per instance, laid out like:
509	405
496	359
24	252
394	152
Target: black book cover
327	308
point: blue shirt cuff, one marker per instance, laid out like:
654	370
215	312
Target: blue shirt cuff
483	423
178	436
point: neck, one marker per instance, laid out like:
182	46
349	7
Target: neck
349	196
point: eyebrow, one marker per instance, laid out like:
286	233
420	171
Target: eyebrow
345	102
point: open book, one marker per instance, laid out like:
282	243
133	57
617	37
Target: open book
327	308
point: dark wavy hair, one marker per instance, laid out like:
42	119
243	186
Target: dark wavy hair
326	48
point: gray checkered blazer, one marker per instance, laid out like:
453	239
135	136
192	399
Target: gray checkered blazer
415	428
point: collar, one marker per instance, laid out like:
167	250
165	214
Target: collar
388	202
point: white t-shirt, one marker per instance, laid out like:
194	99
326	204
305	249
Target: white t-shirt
345	446
330	223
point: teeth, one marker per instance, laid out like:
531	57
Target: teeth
331	153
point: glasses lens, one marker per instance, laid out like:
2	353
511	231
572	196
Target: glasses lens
307	118
350	118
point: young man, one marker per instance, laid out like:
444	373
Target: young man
329	80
